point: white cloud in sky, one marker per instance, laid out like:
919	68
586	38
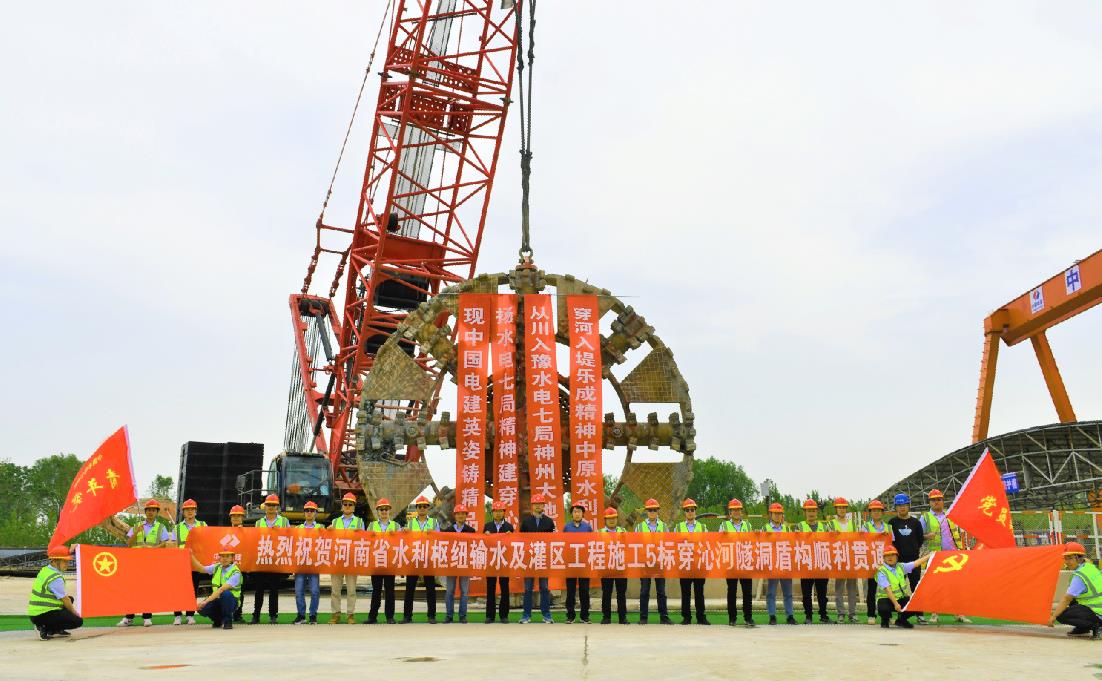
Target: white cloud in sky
815	205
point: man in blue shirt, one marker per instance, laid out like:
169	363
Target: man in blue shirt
577	586
893	588
1081	606
226	581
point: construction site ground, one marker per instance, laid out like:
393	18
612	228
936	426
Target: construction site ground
537	651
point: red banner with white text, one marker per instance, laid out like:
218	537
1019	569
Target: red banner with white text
597	554
472	365
586	481
506	443
541	383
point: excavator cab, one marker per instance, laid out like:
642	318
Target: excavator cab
296	478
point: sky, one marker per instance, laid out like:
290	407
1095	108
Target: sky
814	204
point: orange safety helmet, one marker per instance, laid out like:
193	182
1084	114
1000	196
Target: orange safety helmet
841	501
227	552
190	503
153	503
499	506
459	508
271	499
776	508
734	503
688	503
349	497
422	501
310	506
59	553
810	503
382	503
935	494
876	504
890	548
651	503
539	499
1074	548
610	512
237	510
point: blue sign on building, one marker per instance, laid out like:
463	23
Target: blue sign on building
1010	483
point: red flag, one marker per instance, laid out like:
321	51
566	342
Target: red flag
103	486
1011	584
117	581
981	507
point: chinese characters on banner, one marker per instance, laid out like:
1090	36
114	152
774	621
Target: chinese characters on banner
506	443
472	364
554	555
103	486
981	507
586	483
541	383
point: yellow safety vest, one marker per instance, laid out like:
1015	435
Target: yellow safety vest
898	583
280	521
414	525
42	599
222	574
391	526
182	531
644	527
1092	579
150	537
742	526
356	523
684	527
934	525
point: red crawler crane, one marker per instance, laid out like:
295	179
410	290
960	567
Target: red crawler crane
437	129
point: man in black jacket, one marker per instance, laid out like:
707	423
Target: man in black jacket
537	522
460	525
499	525
908	538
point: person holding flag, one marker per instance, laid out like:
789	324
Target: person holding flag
268	581
776	524
941	534
226	580
875	525
736	523
893	589
1081	606
50	610
189	508
152	534
612	517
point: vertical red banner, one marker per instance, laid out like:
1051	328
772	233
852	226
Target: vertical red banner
506	443
541	384
472	365
586	481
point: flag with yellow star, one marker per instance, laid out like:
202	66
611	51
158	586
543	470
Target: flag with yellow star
117	581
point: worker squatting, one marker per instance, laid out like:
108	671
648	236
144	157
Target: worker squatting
886	594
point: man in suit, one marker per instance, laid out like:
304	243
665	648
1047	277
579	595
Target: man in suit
498	525
537	522
460	525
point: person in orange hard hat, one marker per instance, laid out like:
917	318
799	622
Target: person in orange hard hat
268	582
459	524
347	521
845	589
152	534
577	588
776	524
811	523
537	521
693	586
875	525
620	584
237	519
52	612
652	523
226	583
941	534
497	525
736	523
1081	605
183	528
893	589
420	522
382	586
308	581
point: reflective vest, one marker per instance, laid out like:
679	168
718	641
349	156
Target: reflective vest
644	527
342	523
684	527
391	526
618	529
150	537
870	526
182	531
849	525
315	526
280	521
742	526
42	599
222	574
414	525
898	583
934	525
1092	579
804	526
768	527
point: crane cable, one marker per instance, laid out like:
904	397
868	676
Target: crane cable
359	96
525	122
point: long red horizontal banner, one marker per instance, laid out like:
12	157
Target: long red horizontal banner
598	554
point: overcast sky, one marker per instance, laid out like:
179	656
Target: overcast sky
814	204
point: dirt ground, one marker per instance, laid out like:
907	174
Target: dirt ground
539	651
